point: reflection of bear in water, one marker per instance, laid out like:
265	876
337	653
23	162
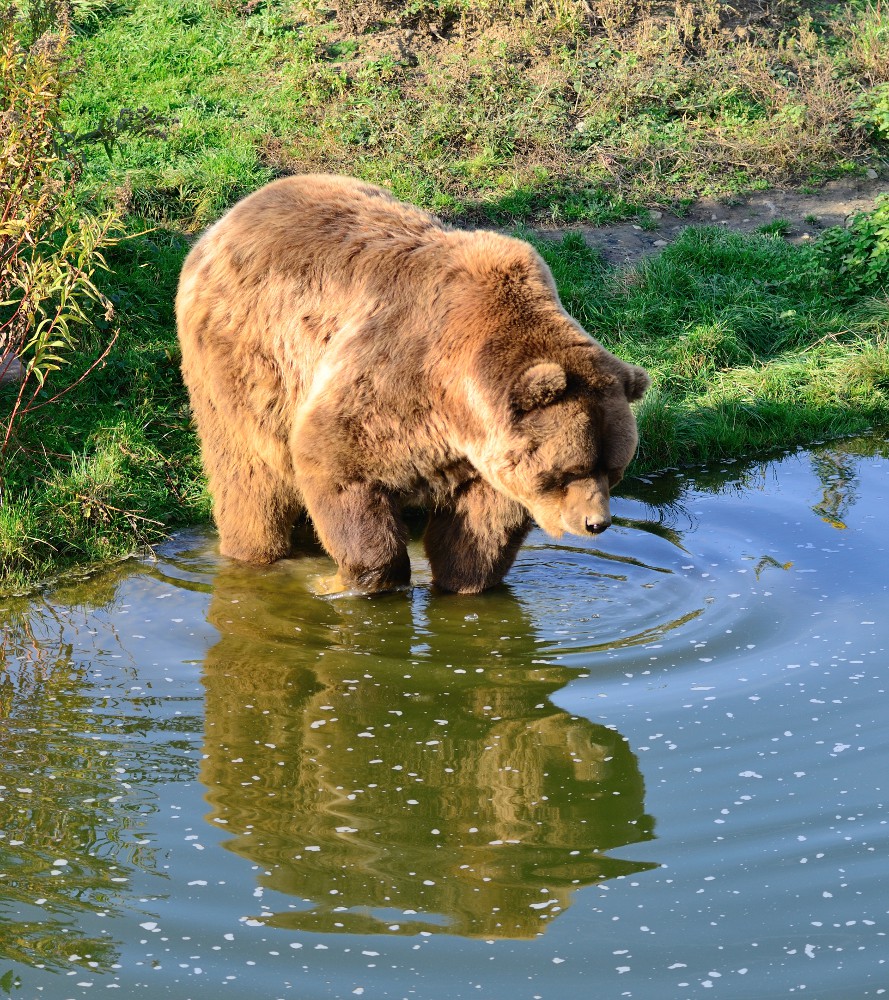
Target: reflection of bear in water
397	764
346	354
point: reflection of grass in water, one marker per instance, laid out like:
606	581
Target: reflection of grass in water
609	556
55	805
51	943
837	472
361	776
835	466
767	562
639	638
659	529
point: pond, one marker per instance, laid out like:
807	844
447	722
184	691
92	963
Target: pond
653	765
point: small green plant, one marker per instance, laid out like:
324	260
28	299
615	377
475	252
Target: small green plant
873	112
128	122
777	227
859	254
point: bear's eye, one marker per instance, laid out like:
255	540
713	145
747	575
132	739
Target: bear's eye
571	475
561	480
547	481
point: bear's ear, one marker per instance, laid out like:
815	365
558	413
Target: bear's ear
636	381
539	386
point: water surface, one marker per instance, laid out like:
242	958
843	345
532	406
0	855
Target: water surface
653	765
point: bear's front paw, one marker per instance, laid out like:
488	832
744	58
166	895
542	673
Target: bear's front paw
325	586
367	582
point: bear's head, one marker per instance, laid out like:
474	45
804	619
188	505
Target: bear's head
571	435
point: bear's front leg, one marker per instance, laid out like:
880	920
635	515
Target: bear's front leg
361	528
473	542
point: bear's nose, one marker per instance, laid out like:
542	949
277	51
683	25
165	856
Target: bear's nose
597	527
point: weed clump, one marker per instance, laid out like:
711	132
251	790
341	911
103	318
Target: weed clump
858	255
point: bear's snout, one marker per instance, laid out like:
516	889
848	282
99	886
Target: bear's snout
584	508
596	527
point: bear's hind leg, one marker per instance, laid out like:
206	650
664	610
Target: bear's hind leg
472	543
360	526
254	510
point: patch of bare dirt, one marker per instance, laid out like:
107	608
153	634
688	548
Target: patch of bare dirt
805	214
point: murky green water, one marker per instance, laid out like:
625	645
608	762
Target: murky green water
654	766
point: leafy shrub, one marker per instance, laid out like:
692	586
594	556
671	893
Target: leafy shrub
873	112
50	248
859	254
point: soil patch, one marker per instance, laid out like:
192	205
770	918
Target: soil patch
805	216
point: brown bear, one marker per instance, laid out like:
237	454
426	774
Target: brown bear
348	355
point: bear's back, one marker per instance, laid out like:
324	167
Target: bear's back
317	280
317	229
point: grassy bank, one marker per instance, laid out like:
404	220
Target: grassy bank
113	464
752	343
480	109
493	111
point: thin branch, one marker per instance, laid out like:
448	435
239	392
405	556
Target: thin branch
68	388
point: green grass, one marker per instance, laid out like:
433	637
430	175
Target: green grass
494	110
113	465
751	342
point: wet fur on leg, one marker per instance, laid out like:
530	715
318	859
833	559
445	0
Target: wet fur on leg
472	545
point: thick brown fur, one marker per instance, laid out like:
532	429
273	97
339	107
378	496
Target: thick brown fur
347	355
